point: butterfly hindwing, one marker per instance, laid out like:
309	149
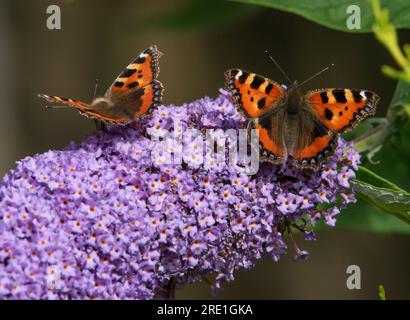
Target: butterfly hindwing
254	95
129	105
139	102
342	109
151	98
305	139
315	143
109	115
270	128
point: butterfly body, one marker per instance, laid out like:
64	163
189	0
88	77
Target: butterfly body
134	93
302	127
294	99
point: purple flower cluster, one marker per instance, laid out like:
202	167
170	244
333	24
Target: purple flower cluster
102	220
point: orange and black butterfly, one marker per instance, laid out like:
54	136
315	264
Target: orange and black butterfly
303	128
135	92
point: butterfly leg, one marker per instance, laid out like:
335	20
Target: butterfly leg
100	125
249	128
254	147
133	124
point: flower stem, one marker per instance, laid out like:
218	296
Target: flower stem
170	289
386	33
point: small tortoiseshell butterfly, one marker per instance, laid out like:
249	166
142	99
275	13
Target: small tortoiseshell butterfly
302	127
133	94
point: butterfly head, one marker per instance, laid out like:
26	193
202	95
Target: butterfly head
293	85
294	98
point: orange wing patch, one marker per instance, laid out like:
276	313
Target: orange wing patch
342	109
150	98
318	145
313	155
254	95
267	141
139	73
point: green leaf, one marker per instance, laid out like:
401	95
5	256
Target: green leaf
389	200
401	94
369	213
399	109
363	216
332	13
368	176
372	140
382	293
392	162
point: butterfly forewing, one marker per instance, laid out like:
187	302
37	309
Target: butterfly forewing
139	73
254	95
137	86
258	99
342	109
68	102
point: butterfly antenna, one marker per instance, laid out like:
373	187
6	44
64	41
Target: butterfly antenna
99	125
317	74
96	87
278	66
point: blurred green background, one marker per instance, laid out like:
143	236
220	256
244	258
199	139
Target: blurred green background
200	40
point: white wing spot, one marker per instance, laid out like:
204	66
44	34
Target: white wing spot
363	95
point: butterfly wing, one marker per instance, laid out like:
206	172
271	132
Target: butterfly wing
270	128
314	143
254	95
325	113
67	102
259	99
301	136
137	89
85	109
82	107
342	109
